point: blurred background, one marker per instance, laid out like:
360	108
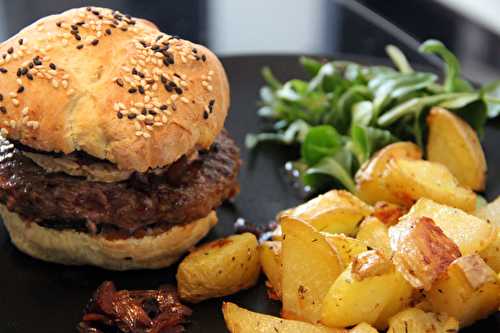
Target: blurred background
323	27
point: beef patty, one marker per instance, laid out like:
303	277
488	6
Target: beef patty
144	203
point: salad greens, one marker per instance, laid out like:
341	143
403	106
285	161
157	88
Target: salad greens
347	111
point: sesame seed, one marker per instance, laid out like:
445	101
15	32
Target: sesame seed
203	57
205	115
132	90
119	115
10	50
15	102
3	70
108	31
185	100
178	90
29	76
20	89
141	89
79	47
25	111
1	97
3	109
20	41
95	42
55	83
131	116
146	135
119	82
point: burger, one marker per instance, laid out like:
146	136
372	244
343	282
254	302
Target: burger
113	149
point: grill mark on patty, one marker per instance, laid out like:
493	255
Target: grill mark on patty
132	207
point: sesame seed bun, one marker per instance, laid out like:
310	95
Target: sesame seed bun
115	87
76	248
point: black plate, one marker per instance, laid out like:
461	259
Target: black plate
41	297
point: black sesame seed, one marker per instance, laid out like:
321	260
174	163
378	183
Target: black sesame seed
203	57
134	71
95	42
78	37
24	70
163	79
79	47
144	111
108	31
30	65
21	41
119	115
96	12
141	89
205	115
58	24
3	70
114	25
131	116
132	90
177	75
29	76
195	50
10	50
52	66
165	62
89	9
37	61
164	107
149	122
152	112
155	47
1	97
100	17
141	75
74	27
119	82
19	72
3	109
211	103
168	88
174	107
124	29
20	89
150	81
80	23
178	90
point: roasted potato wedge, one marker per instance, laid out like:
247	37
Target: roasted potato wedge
421	250
363	328
239	320
369	182
490	212
410	180
369	290
346	247
270	260
453	143
491	254
376	234
336	211
469	291
219	268
388	213
310	266
413	320
470	233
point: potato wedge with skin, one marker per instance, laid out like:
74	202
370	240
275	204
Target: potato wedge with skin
470	233
453	143
421	250
388	213
491	254
366	294
336	211
363	328
369	184
346	247
219	268
376	234
410	180
270	259
417	321
239	320
469	291
310	266
490	212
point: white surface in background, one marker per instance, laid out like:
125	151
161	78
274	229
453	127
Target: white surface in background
484	12
250	34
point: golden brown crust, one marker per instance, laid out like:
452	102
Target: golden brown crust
76	94
76	248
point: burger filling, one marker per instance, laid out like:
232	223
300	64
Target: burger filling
79	192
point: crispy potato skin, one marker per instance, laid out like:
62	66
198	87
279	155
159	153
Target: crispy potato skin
453	143
310	266
219	268
410	180
336	211
421	251
369	182
469	291
417	321
239	320
270	259
470	233
388	213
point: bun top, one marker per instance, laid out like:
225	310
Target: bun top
95	80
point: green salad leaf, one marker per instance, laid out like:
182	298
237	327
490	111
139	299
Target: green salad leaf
347	111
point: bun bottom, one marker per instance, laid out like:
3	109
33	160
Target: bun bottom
76	248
